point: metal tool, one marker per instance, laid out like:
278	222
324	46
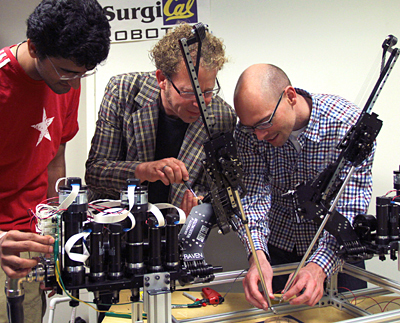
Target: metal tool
191	190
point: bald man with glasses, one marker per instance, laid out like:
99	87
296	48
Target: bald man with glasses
286	136
149	125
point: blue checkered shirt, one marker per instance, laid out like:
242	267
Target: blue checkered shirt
271	171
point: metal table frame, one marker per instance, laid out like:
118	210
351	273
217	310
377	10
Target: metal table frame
330	298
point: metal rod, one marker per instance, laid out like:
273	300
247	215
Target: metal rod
320	229
253	250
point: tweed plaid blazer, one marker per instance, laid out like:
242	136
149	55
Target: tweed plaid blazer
126	132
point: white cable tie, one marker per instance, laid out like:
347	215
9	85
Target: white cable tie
71	197
71	242
157	213
131	196
182	215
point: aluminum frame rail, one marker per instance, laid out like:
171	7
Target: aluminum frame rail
331	297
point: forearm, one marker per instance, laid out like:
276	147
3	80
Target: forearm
325	256
104	175
56	170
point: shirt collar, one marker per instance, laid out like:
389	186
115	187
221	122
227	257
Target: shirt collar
312	130
149	91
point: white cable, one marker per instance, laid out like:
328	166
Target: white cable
71	197
105	202
73	315
131	196
52	306
114	215
45	211
58	182
157	213
182	215
71	242
133	221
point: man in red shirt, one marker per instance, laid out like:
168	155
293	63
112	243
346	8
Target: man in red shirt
39	98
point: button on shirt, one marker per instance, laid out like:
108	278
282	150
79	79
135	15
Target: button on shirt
270	171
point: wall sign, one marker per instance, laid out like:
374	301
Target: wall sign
139	20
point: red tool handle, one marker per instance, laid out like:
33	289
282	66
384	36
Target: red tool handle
212	296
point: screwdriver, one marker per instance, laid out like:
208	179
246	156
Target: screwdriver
191	190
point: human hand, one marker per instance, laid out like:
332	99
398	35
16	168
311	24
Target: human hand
189	201
168	170
308	286
250	282
15	242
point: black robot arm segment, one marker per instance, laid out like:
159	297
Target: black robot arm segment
222	166
381	234
313	198
338	225
224	173
199	31
192	238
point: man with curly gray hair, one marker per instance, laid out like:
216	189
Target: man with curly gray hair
149	125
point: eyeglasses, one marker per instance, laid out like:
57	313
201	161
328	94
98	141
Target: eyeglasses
192	95
262	125
70	78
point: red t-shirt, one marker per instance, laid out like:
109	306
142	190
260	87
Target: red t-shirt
34	121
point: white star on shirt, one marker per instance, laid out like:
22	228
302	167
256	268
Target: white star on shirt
43	127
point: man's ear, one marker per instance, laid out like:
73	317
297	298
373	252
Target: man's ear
32	49
161	79
291	95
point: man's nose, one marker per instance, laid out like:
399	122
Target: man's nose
207	101
260	133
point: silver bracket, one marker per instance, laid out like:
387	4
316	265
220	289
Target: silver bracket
157	297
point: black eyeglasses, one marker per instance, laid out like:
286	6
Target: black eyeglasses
262	125
191	95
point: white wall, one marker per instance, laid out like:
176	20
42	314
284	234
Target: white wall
324	46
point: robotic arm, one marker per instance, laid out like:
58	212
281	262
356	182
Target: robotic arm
222	167
313	199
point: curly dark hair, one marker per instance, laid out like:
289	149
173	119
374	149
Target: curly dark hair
167	55
72	29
